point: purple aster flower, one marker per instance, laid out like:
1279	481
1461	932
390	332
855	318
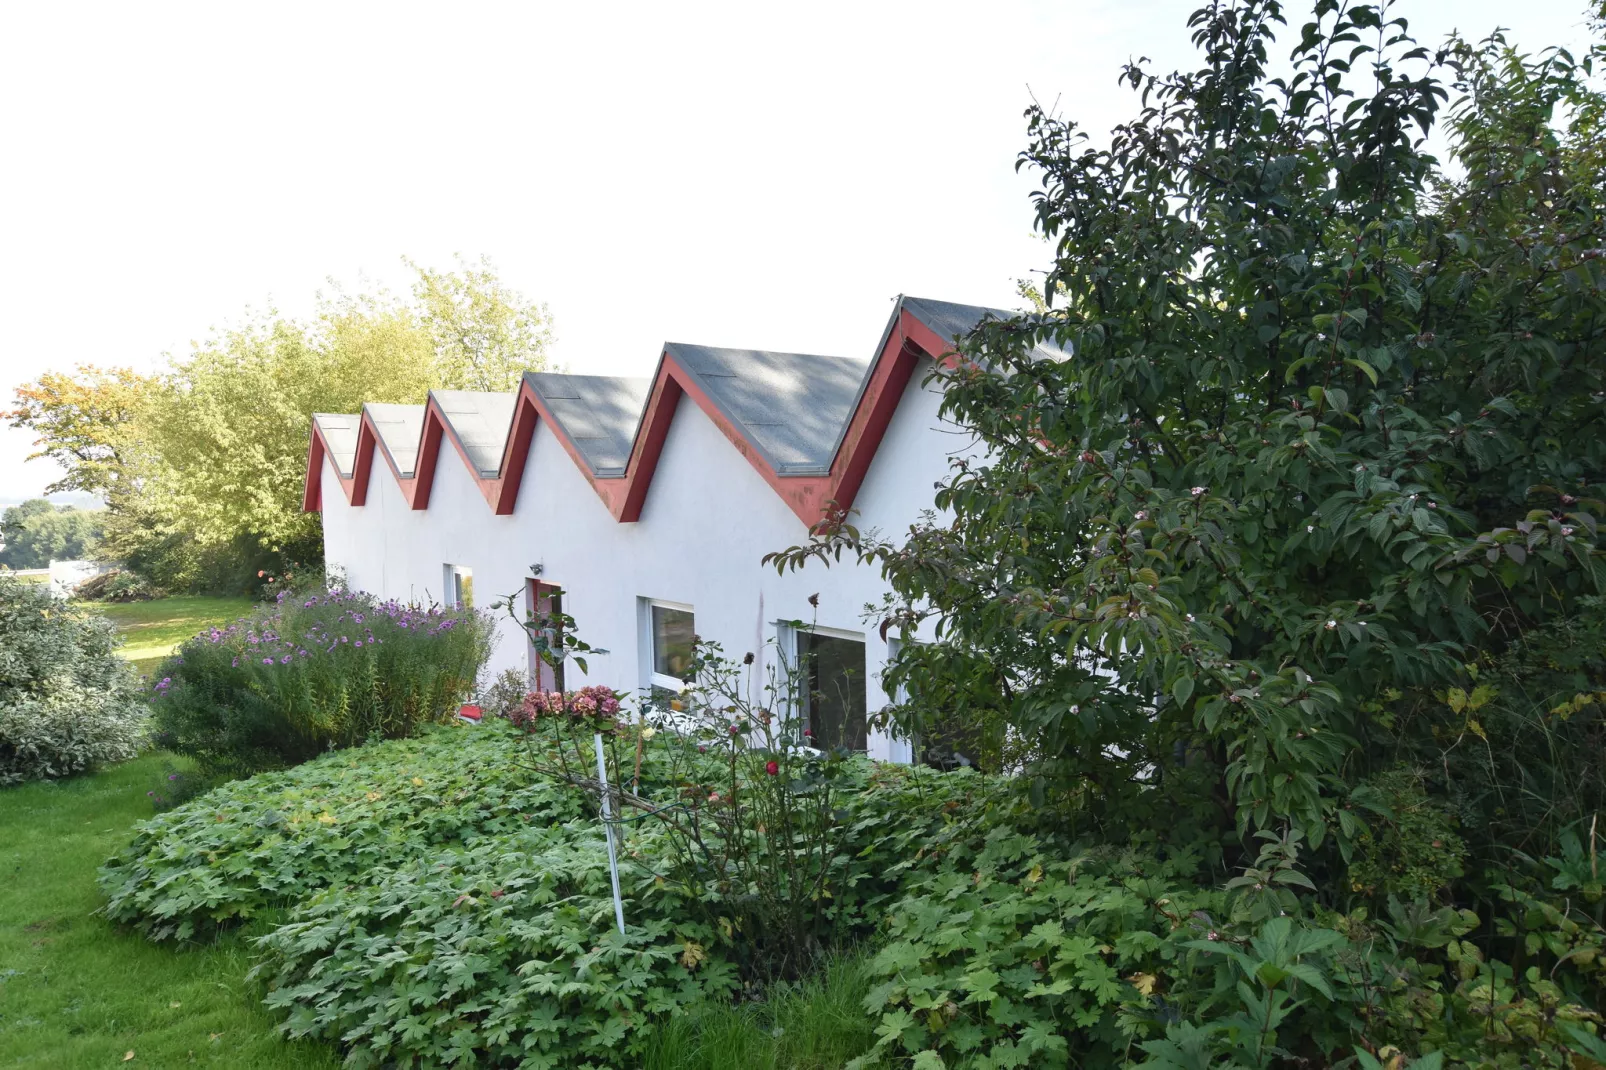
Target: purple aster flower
267	661
285	660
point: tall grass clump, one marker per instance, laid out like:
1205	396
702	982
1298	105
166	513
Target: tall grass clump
313	672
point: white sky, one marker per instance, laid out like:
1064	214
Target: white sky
731	175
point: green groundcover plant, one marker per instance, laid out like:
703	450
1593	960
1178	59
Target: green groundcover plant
314	671
254	845
449	905
67	702
445	904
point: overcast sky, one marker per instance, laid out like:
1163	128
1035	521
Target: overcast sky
745	175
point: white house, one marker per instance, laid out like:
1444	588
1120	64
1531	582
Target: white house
649	504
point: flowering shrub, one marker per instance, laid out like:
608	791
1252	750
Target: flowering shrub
313	672
67	702
753	834
593	705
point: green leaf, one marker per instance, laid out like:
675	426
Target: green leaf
1361	365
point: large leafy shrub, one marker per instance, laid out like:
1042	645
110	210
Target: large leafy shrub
312	672
1329	422
266	842
1291	534
67	702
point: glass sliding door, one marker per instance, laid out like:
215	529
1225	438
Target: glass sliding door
835	705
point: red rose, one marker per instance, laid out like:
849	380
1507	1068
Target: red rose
772	768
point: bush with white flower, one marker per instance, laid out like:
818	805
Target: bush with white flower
67	702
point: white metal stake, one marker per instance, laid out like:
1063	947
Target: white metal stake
607	827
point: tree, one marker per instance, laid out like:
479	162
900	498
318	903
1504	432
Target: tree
485	335
1330	428
36	533
203	465
84	422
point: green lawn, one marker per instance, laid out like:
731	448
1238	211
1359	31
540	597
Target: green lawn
76	992
152	629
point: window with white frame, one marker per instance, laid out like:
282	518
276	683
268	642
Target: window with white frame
459	587
834	700
669	632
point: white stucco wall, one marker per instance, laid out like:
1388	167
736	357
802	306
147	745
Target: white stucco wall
708	520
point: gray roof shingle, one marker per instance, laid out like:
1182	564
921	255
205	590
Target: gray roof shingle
791	406
951	321
340	435
400	427
481	421
598	413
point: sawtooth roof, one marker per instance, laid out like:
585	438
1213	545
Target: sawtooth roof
809	424
339	431
790	406
400	429
598	413
480	421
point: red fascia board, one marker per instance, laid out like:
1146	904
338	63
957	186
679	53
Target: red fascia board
907	342
516	453
437	425
354	486
312	487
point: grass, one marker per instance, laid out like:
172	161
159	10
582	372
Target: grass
818	1024
76	992
152	629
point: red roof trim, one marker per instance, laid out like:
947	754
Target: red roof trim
625	496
